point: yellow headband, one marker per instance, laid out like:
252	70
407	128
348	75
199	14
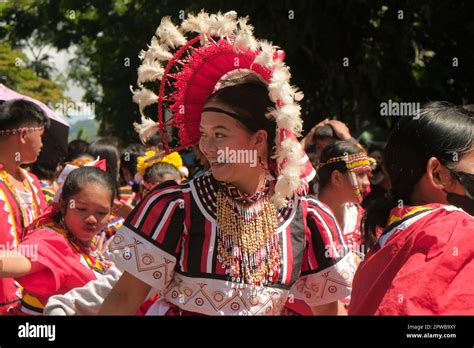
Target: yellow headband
150	159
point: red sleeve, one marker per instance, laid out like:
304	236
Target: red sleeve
436	277
50	251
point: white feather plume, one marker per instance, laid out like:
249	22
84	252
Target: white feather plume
288	117
196	24
143	97
245	38
150	71
146	129
289	179
169	35
265	58
155	51
223	25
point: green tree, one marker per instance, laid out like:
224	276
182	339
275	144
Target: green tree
347	56
15	74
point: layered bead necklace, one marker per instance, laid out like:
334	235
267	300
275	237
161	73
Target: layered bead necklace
248	245
5	179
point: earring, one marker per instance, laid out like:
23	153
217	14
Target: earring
263	164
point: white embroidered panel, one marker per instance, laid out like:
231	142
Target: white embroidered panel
220	297
329	285
136	255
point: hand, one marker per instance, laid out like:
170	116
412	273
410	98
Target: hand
309	138
340	129
101	247
121	209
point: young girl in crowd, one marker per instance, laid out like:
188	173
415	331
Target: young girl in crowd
343	176
62	250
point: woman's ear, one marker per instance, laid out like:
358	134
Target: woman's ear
439	177
261	137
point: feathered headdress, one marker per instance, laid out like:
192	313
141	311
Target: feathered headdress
190	70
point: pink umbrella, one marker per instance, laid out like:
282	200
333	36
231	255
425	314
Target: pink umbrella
8	94
55	139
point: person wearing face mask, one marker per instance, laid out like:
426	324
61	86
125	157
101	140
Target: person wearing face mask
422	263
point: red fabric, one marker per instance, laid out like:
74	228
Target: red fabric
196	82
147	304
426	269
63	271
9	292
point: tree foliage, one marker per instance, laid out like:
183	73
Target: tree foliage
398	50
15	74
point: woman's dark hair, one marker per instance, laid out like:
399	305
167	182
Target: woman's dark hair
76	180
19	113
154	140
128	160
45	170
248	97
338	148
325	132
76	149
442	131
156	172
106	150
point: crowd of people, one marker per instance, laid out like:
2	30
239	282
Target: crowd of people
319	226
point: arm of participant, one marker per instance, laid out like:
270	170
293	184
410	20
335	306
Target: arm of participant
309	138
126	296
14	264
85	300
332	308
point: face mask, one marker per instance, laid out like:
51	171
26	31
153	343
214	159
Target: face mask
464	202
467	181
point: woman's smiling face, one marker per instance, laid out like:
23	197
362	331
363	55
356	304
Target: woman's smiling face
231	149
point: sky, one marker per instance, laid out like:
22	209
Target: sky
60	60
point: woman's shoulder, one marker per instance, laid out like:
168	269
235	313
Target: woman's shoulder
445	225
449	219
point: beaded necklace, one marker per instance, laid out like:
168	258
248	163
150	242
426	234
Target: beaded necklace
86	250
248	246
4	178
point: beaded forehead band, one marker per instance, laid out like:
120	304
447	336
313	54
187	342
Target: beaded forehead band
18	130
355	163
